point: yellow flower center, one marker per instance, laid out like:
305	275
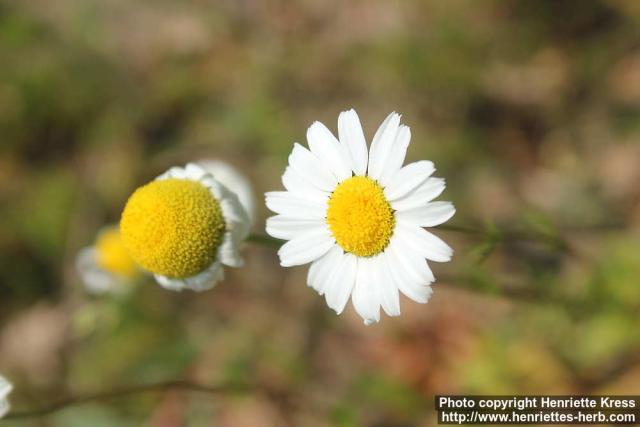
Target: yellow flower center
360	217
111	254
173	227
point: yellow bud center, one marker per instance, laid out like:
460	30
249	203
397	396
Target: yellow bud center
173	227
360	217
111	254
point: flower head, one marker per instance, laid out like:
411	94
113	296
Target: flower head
183	227
173	227
5	389
106	266
357	216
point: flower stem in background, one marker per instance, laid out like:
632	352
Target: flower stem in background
264	240
132	390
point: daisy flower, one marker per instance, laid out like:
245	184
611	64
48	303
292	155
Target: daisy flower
5	389
185	226
357	216
106	266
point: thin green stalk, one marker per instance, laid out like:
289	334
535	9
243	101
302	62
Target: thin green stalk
124	392
265	240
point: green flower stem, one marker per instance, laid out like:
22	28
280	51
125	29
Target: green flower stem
265	240
122	392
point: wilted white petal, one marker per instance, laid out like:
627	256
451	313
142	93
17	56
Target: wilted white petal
236	182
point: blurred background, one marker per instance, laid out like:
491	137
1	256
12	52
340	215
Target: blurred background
529	109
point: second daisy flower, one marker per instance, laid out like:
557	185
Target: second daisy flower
187	224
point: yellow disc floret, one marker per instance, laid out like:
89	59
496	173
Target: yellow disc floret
172	227
360	217
111	254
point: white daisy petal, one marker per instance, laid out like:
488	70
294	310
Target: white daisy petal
396	155
409	277
429	215
207	279
95	279
229	253
4	407
99	278
382	145
408	178
305	248
286	228
327	148
306	163
352	136
237	183
200	282
169	283
423	242
291	205
174	172
414	265
365	300
233	210
194	172
295	183
340	284
236	218
386	288
426	192
322	268
5	389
